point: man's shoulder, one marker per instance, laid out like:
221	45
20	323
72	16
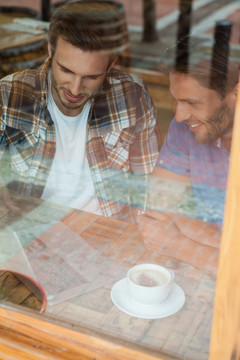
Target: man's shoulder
20	95
20	78
122	77
31	79
178	128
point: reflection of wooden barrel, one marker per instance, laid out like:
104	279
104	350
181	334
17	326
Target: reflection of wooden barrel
57	4
22	57
22	53
114	27
15	11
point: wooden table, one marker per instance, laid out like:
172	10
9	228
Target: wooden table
184	335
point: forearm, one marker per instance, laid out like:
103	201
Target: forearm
169	236
145	148
169	193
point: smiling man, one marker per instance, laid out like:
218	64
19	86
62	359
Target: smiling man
188	185
206	113
76	128
197	147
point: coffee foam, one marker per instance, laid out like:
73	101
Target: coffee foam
149	277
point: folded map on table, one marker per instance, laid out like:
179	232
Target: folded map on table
62	262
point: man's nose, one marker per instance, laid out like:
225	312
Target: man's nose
182	113
76	86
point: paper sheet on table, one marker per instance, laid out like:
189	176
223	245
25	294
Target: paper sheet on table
63	263
21	28
32	23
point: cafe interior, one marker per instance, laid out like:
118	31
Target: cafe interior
66	289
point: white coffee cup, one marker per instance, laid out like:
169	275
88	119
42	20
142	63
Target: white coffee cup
149	284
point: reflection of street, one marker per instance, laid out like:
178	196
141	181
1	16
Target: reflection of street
205	13
147	59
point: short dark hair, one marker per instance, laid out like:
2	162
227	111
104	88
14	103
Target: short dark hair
90	25
192	57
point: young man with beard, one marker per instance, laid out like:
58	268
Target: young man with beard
76	128
196	150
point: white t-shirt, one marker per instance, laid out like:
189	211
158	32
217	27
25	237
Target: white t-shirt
70	182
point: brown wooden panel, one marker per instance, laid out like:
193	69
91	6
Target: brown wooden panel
25	336
225	341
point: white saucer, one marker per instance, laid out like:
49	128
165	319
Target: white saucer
169	306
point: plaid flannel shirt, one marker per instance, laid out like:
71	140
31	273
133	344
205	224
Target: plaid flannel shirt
122	137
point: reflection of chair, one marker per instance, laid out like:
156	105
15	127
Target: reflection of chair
220	54
184	25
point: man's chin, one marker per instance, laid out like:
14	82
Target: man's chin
72	105
203	139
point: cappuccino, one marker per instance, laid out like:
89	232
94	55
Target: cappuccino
149	277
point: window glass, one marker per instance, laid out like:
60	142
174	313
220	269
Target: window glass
114	152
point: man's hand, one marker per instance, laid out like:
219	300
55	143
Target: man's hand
156	227
191	241
5	197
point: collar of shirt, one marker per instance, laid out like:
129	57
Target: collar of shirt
218	143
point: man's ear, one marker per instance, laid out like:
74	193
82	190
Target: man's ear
49	50
112	63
